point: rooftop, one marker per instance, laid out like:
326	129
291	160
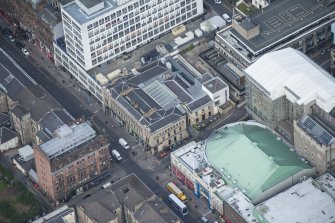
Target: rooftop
6	135
26	152
282	19
304	202
214	85
52	121
90	3
26	165
81	17
154	96
242	205
193	157
227	71
142	202
68	138
315	130
266	159
32	98
4	119
61	215
295	76
100	206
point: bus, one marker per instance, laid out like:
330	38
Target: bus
172	188
180	206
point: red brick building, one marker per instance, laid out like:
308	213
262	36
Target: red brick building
75	156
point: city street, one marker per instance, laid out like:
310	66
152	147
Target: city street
31	70
220	9
73	105
40	75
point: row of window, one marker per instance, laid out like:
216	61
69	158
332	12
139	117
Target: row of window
115	48
130	9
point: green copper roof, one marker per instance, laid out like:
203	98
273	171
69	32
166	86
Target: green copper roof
251	157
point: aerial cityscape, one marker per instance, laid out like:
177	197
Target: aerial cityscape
167	111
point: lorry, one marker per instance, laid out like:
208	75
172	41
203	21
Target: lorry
116	155
123	143
172	188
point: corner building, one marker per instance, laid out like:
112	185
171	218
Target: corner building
74	157
97	31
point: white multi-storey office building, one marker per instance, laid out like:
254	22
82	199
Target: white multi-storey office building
99	30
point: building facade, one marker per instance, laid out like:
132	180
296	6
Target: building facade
70	160
97	31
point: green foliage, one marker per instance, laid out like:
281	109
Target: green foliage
19	195
189	48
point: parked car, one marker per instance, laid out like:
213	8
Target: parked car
226	17
218	2
116	155
19	45
11	38
25	51
6	32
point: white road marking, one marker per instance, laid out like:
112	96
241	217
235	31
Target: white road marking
18	66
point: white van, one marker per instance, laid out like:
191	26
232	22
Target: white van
116	155
124	143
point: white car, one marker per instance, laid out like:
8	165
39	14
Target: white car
25	51
11	38
218	2
226	17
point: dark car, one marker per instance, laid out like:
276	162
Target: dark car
6	32
20	45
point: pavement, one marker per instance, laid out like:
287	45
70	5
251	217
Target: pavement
150	169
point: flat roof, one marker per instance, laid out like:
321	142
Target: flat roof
90	3
215	85
251	157
57	216
242	205
191	154
81	17
26	151
303	202
283	18
156	94
62	143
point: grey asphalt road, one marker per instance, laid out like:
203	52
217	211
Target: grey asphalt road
41	76
73	105
220	9
237	115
